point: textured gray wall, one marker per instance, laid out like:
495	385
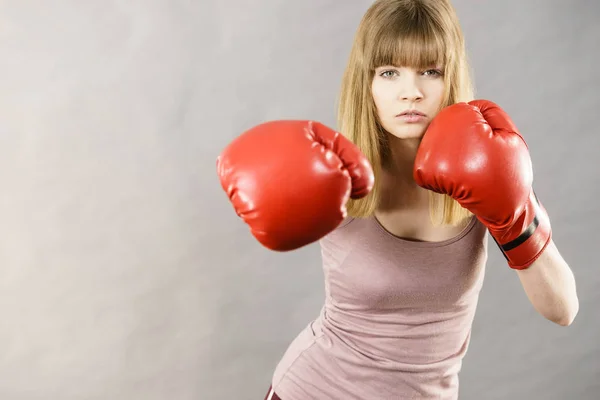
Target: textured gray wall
124	272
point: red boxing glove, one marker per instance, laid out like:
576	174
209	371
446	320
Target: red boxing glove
290	180
474	153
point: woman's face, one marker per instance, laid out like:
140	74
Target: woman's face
407	99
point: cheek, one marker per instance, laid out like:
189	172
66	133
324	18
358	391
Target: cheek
437	91
376	93
381	95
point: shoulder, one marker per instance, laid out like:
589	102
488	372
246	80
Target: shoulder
345	222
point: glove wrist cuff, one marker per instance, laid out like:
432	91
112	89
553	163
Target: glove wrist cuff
533	235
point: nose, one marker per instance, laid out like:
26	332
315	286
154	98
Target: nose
410	89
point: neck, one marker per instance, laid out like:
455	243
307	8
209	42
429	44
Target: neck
402	159
399	188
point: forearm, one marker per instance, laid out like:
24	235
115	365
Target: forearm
550	286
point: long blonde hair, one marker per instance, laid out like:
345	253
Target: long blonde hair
414	33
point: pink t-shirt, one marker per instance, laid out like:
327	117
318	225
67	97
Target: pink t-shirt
397	317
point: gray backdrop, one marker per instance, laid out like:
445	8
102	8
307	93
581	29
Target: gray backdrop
124	272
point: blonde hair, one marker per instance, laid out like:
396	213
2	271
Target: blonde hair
414	33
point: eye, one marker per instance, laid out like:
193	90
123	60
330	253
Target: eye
433	72
389	73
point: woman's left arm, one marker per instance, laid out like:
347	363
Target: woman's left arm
550	286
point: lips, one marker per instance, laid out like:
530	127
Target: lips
411	112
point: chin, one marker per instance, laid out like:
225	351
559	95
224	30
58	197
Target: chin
415	132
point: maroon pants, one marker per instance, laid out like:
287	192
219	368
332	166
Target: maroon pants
272	394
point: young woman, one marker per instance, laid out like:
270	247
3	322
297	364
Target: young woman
401	204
